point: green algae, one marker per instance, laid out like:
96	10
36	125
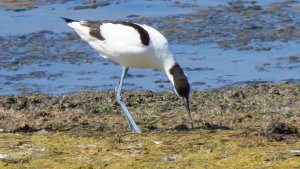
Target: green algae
168	149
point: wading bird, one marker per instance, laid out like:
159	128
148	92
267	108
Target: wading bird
133	45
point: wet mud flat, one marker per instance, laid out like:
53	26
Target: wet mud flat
246	126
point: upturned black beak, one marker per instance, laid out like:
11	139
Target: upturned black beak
187	106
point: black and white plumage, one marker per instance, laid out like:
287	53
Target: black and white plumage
133	45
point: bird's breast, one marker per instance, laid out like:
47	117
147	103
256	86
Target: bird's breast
144	59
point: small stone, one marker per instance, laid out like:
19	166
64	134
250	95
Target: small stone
209	151
42	132
295	152
4	155
157	142
42	149
87	146
169	158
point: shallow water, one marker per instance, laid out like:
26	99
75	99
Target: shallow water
33	20
31	63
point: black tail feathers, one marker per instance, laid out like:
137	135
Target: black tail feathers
68	20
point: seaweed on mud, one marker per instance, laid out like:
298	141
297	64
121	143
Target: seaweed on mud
267	108
282	128
240	25
45	45
158	149
92	6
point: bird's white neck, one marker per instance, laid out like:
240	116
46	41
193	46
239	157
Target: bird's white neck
168	64
174	72
177	77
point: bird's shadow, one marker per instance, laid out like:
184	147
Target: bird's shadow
185	128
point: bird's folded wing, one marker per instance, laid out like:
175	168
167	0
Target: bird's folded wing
123	34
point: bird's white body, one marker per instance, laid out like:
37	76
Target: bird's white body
133	45
123	45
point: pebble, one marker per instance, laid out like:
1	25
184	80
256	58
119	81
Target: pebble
4	155
295	152
87	146
169	158
42	132
157	142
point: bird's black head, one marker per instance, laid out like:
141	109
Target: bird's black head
182	87
180	81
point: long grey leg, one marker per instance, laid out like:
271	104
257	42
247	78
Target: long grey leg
118	90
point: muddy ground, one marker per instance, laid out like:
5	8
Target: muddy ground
250	126
265	108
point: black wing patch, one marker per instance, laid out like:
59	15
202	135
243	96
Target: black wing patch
94	29
97	34
144	35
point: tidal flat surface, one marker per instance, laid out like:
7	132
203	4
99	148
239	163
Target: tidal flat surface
58	109
242	127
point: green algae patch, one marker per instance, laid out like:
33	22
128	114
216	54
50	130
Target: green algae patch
167	149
